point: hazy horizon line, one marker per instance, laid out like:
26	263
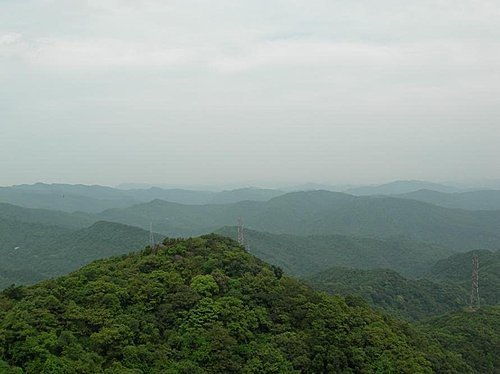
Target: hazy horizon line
486	183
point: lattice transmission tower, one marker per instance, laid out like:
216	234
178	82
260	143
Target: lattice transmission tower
241	235
474	295
151	235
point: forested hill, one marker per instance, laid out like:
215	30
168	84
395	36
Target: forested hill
298	213
45	216
457	269
470	200
475	335
445	287
400	187
306	255
324	213
201	305
411	299
30	252
94	199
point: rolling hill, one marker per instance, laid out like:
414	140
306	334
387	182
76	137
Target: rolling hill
400	187
201	305
444	287
457	269
324	213
65	197
30	252
306	255
471	200
94	199
411	299
474	335
45	216
298	213
243	194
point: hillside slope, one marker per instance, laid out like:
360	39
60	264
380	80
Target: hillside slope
45	216
324	213
94	198
386	289
399	187
67	198
457	269
32	252
243	194
474	335
306	255
201	306
471	200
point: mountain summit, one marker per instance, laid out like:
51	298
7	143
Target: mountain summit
200	305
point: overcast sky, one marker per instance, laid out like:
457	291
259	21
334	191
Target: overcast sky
252	92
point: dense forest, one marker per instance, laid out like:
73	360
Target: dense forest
30	252
411	299
307	255
475	335
324	213
249	187
457	268
201	305
398	284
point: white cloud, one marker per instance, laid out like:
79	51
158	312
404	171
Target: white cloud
104	53
237	36
89	54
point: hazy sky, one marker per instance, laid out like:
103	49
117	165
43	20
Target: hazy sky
211	92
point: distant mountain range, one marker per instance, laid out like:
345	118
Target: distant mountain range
46	216
470	200
408	254
304	232
324	213
298	213
400	187
94	199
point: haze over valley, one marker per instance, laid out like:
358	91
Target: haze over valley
254	187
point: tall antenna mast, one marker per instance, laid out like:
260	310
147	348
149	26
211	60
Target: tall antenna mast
241	235
151	235
474	296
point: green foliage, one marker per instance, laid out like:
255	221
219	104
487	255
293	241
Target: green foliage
45	217
404	298
475	335
31	252
201	305
204	285
324	213
306	255
456	270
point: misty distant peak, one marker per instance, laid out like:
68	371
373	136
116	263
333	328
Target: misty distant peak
400	187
